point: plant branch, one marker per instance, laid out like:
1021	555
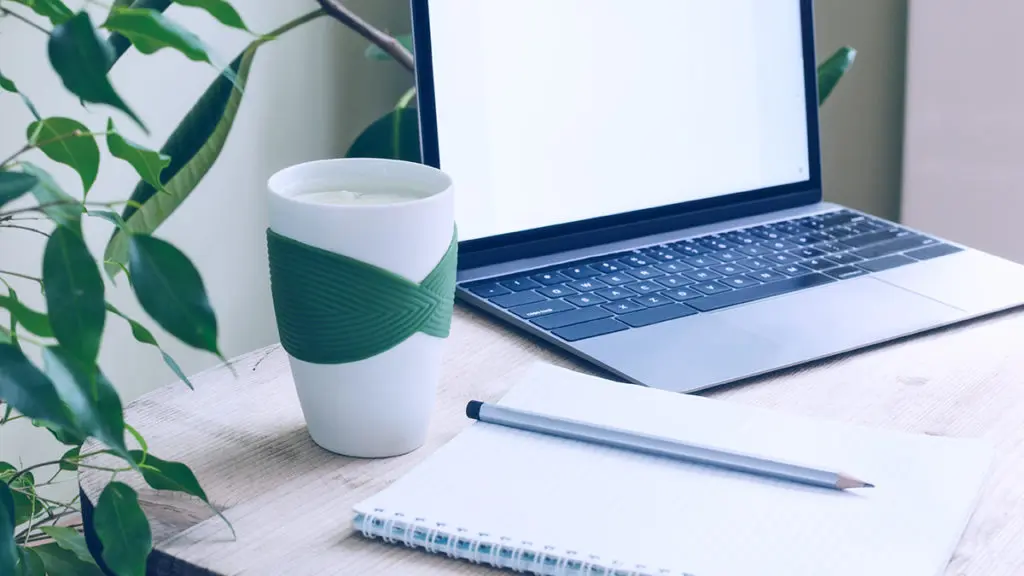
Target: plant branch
17	16
23	471
54	140
392	47
23	276
25	228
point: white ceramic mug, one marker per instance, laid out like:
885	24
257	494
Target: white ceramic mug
379	406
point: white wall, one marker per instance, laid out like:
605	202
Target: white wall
964	151
309	93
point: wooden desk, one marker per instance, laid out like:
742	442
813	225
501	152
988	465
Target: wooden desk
291	501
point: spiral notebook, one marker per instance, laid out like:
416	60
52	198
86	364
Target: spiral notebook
545	505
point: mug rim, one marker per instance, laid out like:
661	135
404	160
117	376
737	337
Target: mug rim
276	186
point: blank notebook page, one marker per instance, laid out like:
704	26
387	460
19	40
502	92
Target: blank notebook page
678	517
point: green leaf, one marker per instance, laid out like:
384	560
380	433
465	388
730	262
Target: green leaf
22	493
171	291
148	163
144	336
138	438
8	551
81	59
35	322
173	476
112	217
29	391
193	147
14	184
219	9
30	563
832	70
123	530
59	561
395	135
74	294
68	461
90	397
8	85
69	539
55	137
150	31
55	10
118	43
66	436
373	52
67	211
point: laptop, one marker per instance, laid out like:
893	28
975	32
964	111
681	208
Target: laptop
640	184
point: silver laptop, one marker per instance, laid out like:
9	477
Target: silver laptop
640	184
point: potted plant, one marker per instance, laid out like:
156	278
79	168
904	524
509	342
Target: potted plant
65	390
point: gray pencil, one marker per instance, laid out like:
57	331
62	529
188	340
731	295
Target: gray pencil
634	442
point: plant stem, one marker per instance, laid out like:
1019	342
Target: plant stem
104	468
292	24
20	275
7	12
392	47
25	228
33	467
54	140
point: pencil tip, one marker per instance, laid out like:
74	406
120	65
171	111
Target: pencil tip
846	483
866	485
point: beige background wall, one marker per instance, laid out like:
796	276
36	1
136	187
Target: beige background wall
862	122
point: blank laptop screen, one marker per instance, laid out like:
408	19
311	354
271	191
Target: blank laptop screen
554	111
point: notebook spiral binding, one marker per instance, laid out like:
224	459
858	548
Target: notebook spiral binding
498	551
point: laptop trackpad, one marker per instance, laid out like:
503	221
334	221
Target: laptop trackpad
709	349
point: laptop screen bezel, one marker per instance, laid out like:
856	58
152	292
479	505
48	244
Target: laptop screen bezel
604	229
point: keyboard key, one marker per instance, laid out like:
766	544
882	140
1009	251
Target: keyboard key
675	281
664	255
713	243
766	233
781	258
622	307
818	264
616	279
806	252
845	272
755	264
753	250
580	272
549	278
578	316
934	251
556	291
838	218
700	261
702	275
767	276
741	238
792	270
520	284
874	238
885	263
727	256
779	245
739	281
894	246
586	285
730	269
656	315
735	297
682	294
518	299
590	329
672	267
788	228
489	290
636	261
865	227
841	232
831	247
608	267
645	273
645	287
540	309
582	300
808	239
617	293
689	248
652	301
843	259
710	288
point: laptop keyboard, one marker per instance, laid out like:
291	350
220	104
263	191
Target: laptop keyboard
646	286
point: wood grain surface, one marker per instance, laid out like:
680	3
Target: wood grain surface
290	501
